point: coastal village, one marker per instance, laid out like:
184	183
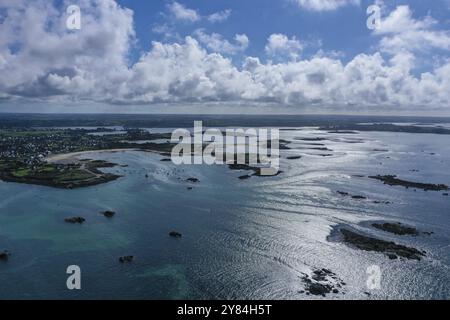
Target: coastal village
24	154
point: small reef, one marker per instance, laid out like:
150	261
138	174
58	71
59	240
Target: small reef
321	283
108	213
175	234
126	259
246	167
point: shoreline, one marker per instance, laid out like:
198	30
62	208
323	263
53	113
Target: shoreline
64	158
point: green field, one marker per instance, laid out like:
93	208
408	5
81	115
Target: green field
21	172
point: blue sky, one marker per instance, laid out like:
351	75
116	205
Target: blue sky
227	56
342	30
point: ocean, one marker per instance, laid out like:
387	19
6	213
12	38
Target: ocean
241	239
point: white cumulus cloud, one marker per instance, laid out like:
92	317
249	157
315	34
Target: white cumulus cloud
219	16
400	31
217	43
280	46
181	12
325	5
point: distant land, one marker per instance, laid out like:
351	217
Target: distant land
327	122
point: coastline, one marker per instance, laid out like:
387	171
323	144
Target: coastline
64	158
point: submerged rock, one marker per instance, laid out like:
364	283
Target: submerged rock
387	247
78	220
382	202
175	234
256	170
346	194
193	180
126	259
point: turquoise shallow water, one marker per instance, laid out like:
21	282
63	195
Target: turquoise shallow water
241	239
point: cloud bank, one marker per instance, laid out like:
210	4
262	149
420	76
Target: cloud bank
40	60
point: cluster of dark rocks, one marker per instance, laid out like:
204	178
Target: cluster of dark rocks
175	234
108	213
360	197
75	220
346	194
383	202
126	259
322	282
81	220
256	171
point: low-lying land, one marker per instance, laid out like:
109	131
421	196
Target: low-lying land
26	154
67	176
50	156
383	127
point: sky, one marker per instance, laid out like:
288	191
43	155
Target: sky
218	56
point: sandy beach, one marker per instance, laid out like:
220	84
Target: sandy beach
74	156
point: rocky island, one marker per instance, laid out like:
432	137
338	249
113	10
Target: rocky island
396	228
392	180
391	249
